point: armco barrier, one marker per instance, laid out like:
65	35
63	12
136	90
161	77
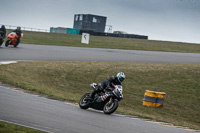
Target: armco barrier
25	28
153	99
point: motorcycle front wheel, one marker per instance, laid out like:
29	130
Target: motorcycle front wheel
109	108
1	41
84	104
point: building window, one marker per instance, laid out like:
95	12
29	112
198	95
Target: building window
94	20
76	18
81	18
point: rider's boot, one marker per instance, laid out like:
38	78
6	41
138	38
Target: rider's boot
92	94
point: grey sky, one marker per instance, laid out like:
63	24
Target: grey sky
170	20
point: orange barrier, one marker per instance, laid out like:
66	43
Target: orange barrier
153	99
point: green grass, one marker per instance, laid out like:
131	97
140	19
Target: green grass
69	80
107	42
11	128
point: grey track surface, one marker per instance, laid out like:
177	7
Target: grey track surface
58	117
62	53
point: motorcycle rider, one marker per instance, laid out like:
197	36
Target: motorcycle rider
18	32
108	85
3	31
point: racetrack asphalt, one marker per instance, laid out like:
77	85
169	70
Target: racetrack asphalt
63	53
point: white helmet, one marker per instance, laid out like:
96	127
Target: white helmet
121	76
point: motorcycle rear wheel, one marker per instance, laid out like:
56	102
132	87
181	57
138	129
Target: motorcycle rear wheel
7	43
16	44
83	104
109	108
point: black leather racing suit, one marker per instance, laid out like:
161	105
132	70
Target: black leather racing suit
108	85
18	32
3	31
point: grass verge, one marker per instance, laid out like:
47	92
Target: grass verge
11	128
107	42
69	80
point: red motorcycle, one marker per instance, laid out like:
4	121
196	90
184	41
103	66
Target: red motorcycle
12	39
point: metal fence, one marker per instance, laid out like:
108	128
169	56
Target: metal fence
25	28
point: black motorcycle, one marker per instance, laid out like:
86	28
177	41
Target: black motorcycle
108	106
1	38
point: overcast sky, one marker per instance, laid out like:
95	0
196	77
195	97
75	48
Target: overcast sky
168	20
